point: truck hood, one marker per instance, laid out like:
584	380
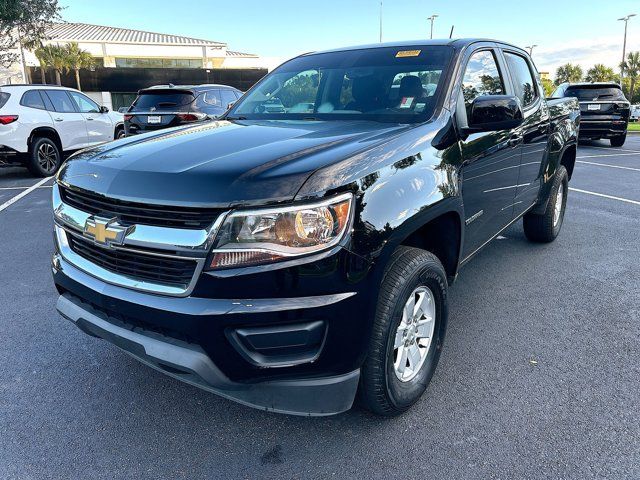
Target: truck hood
221	164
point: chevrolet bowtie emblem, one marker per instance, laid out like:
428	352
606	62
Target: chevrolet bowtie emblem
105	231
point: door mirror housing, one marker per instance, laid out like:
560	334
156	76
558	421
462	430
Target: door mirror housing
495	112
104	109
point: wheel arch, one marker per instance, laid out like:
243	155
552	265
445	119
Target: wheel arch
568	158
46	132
118	126
441	235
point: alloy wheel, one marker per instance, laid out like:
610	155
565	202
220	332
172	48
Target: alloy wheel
414	334
47	157
557	211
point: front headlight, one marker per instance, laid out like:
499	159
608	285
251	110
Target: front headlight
270	235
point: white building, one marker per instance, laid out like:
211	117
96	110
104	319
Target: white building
160	56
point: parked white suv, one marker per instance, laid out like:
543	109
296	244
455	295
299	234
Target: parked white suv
40	123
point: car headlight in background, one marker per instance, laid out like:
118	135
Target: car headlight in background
273	234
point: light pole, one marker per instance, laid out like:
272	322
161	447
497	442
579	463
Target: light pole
624	45
531	47
432	18
380	21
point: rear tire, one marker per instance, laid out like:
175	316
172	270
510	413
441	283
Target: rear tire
391	383
44	158
545	227
619	140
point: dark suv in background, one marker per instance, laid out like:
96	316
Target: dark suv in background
164	106
603	108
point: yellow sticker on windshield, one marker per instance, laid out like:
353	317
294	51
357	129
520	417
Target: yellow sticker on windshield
408	53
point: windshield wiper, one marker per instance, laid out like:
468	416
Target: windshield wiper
234	118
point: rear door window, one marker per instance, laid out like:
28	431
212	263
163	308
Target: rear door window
525	86
212	97
162	101
61	101
32	99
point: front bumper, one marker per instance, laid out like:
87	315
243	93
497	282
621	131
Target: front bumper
189	363
303	381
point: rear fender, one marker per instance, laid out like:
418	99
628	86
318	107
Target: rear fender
562	141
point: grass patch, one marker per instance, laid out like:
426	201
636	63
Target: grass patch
634	127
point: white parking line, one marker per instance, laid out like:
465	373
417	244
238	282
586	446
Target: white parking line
610	148
24	188
620	199
26	192
611	155
611	166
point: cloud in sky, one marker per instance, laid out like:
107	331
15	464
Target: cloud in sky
584	52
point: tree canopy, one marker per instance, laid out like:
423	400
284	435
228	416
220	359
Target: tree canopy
24	22
600	73
568	73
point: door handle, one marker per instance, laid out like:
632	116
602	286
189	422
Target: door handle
514	140
89	118
58	119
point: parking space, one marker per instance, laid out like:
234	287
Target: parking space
538	379
600	169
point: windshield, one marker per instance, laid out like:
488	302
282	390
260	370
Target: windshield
162	100
594	93
381	84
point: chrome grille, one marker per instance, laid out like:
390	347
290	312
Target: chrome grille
160	269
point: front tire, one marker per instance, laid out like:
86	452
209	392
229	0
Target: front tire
408	332
120	133
619	140
545	227
44	157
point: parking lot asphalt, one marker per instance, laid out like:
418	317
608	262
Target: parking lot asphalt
539	378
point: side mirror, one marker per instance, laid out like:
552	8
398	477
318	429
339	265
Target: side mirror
104	109
495	112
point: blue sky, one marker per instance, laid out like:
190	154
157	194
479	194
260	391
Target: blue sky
584	31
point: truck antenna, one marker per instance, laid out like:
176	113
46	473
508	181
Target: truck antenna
451	33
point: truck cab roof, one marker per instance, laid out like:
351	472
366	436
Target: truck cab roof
457	43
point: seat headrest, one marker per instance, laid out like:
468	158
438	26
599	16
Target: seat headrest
411	86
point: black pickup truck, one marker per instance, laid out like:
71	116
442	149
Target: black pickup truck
288	258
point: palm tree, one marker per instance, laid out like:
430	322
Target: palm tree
568	73
631	68
42	54
76	59
600	73
55	57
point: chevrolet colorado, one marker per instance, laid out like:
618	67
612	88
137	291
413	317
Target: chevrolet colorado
288	258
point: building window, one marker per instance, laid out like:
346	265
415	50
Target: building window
159	62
